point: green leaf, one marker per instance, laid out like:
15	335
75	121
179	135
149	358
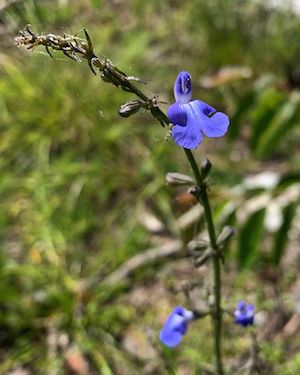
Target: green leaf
281	238
268	105
282	122
244	105
288	180
250	236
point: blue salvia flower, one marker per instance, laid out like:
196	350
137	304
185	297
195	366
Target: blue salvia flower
244	314
191	118
175	326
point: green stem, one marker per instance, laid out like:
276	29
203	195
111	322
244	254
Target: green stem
217	313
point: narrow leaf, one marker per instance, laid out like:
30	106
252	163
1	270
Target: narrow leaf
244	105
268	106
250	236
283	121
281	238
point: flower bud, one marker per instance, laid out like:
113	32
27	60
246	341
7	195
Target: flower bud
198	245
225	235
105	78
176	179
203	258
130	108
98	63
205	168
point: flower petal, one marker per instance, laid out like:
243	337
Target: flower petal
172	331
241	305
177	115
174	322
175	326
250	313
170	339
205	108
183	87
189	136
215	126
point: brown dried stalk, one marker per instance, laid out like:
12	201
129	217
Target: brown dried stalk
77	49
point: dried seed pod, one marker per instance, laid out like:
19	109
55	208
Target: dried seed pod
226	233
130	108
176	179
198	245
205	168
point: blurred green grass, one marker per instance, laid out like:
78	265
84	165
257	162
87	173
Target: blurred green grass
75	176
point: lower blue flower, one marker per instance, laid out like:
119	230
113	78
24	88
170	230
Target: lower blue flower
175	326
244	314
191	118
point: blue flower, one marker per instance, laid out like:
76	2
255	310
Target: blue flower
244	314
191	118
175	326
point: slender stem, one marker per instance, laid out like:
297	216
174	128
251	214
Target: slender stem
217	313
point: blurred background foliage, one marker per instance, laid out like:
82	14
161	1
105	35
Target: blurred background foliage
83	190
